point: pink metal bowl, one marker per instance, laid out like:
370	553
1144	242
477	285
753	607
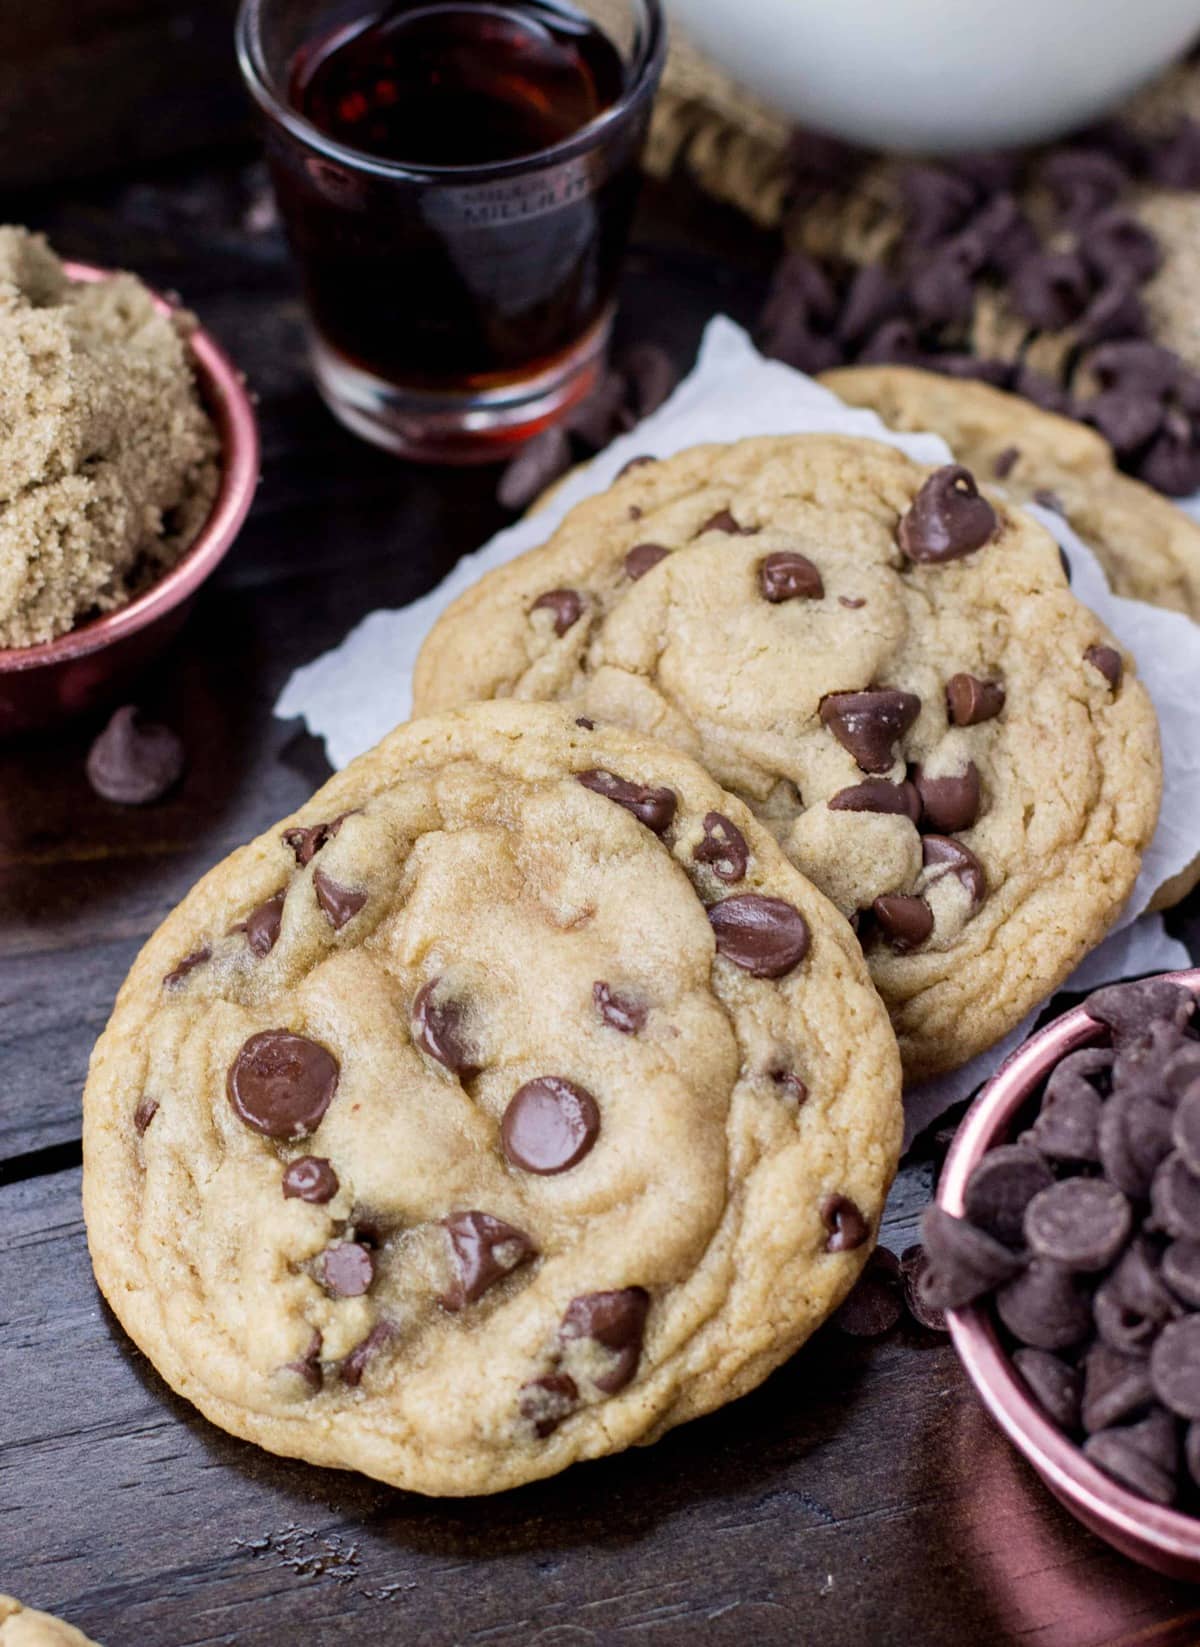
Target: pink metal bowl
1162	1539
94	663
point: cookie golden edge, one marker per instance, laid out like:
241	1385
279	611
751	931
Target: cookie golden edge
34	1629
950	1023
774	1317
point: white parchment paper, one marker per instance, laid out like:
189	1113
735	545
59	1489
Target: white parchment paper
354	694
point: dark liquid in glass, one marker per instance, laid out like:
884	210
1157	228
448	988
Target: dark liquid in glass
458	281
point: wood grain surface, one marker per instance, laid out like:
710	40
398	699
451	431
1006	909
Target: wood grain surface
860	1497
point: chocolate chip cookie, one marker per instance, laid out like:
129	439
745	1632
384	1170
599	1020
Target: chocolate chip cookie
513	1103
1149	548
23	1627
888	666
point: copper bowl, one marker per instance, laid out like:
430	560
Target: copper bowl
1160	1538
93	664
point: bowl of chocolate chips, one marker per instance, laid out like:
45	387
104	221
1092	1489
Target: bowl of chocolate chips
1064	1246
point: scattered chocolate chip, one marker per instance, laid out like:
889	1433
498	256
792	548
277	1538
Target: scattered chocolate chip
914	1272
723	848
1116	311
1175	1367
347	1269
946	856
1006	461
766	937
143	1115
895	344
1172	463
1118	247
1067	1127
306	842
539	463
936	202
723	521
1001	1189
615	1320
653	807
1041	390
545	1402
134	762
311	1178
868	724
942	289
948	518
1121	1453
1133	363
1081	1223
1125	418
188	965
621	1011
1053	1383
355	1364
1045	1307
1083	181
550	1125
906	922
1175	1200
1108	661
1181	1271
970	701
439	1028
484	1250
281	1084
964	1262
643	558
847	1227
262	925
798	278
566	605
1129	1009
949	803
339	903
786	576
1051	289
874	1305
878	795
872	298
1115	1387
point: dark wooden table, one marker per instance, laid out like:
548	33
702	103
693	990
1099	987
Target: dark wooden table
860	1496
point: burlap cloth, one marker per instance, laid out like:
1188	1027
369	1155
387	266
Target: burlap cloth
736	149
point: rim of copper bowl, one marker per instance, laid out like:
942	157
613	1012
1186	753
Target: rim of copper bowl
1060	1460
228	404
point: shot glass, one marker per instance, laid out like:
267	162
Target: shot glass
454	308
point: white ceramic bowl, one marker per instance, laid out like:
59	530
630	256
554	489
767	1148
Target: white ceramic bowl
942	75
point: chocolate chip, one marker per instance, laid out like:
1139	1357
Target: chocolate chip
1173	161
643	558
1118	247
307	842
942	289
787	576
1175	1200
545	1402
339	903
1175	1367
1116	311
1003	466
1067	1127
616	1321
550	1125
309	1366
723	848
539	463
1132	363
970	701
484	1250
878	795
638	462
262	925
766	937
914	1271
188	965
906	922
347	1269
1181	1271
1045	1307
1181	1071
1185	1127
1053	1383
1135	1136
945	856
723	521
1116	1386
868	724
790	1084
355	1364
1129	1009
800	279
1043	391
936	202
872	298
281	1084
1172	463
1081	1223
587	725
1133	1303
1108	661
895	344
1126	1454
143	1115
1125	418
1083	181
948	518
964	1262
566	605
653	807
1051	289
439	1029
874	1305
948	803
134	762
621	1011
311	1178
649	374
853	603
1001	1188
847	1227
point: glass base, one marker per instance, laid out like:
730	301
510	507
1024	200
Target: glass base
483	427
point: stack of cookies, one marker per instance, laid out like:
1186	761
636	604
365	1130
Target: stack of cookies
537	1087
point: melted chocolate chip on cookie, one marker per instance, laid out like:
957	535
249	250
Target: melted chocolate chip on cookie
484	1250
653	807
545	1402
339	903
766	937
262	925
189	964
905	922
621	1011
643	558
143	1115
868	724
724	521
306	842
347	1269
847	1227
787	576
566	605
970	701
550	1125
949	803
311	1178
615	1320
439	1027
879	795
947	519
1108	661
723	848
281	1084
946	856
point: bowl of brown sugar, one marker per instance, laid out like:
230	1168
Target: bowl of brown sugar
129	456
